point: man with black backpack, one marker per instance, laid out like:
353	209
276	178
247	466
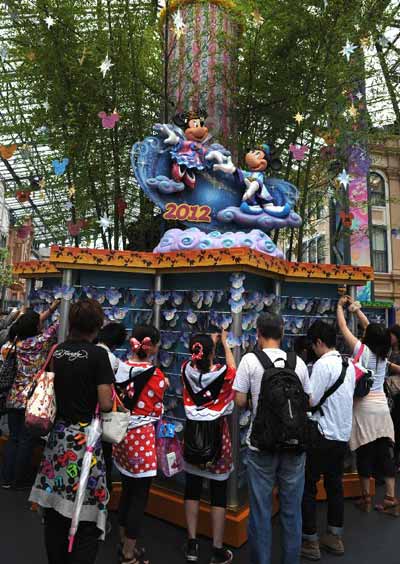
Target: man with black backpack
332	390
279	386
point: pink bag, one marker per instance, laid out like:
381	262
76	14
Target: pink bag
169	449
41	408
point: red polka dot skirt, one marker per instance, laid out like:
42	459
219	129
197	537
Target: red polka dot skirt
136	454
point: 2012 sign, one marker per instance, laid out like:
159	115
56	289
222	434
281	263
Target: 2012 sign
185	212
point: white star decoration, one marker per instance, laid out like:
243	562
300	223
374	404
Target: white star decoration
344	178
179	24
50	22
106	65
46	105
348	50
104	222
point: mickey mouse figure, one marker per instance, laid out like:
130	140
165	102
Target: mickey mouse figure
189	144
256	193
257	197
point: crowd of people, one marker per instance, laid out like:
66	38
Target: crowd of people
307	411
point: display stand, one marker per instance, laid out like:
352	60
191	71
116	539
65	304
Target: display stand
302	292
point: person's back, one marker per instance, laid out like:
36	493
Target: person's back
79	368
332	390
83	379
266	468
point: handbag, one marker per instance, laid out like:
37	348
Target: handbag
202	443
364	377
41	407
115	422
8	370
169	449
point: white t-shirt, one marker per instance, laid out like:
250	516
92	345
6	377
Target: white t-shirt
377	366
250	373
336	421
120	369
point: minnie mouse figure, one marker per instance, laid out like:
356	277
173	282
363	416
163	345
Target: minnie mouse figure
189	144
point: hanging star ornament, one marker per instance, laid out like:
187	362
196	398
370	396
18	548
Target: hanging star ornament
299	118
104	222
179	24
258	20
365	42
105	66
46	105
71	191
49	21
344	178
353	112
348	50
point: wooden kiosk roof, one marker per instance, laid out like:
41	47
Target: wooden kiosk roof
234	259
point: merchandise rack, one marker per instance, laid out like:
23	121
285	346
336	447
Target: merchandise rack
141	275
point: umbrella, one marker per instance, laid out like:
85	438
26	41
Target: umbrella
91	439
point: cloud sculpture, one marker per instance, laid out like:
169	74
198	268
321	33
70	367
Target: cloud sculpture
261	221
165	185
194	239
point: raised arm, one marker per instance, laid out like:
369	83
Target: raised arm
46	314
350	339
362	318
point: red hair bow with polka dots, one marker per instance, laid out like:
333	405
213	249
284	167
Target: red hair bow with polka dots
198	351
136	345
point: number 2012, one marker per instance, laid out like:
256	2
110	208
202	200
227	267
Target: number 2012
184	212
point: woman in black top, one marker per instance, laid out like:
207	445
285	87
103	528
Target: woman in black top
83	379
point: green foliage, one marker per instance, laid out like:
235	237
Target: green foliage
290	62
6	277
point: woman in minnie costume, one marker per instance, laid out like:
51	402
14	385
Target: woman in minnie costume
208	399
141	391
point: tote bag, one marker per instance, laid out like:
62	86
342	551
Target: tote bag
41	407
115	423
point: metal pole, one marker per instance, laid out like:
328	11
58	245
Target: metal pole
28	288
278	293
233	485
157	307
64	307
353	318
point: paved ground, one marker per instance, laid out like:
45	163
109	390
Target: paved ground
369	539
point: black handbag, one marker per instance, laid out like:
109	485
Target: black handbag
364	385
8	371
202	442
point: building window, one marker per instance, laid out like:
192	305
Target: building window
304	252
312	251
377	189
379	249
321	249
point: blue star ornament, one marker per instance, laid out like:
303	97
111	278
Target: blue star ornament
344	178
348	50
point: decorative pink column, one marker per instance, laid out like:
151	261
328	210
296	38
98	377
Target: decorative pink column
201	66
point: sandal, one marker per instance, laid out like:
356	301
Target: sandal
139	551
364	503
390	506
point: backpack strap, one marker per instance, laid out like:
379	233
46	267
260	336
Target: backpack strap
360	353
264	359
291	360
332	389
